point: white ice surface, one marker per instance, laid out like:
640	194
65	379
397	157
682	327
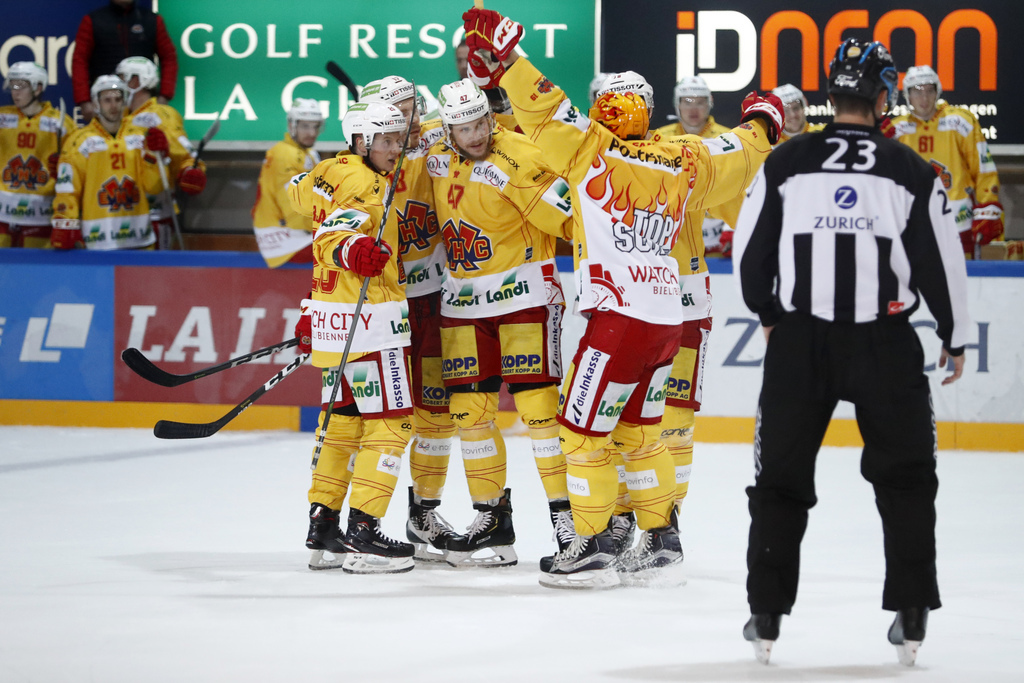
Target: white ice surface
125	558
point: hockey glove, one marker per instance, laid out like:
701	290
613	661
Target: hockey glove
51	164
725	242
767	107
886	126
156	141
362	255
988	222
191	180
483	73
304	331
489	31
66	233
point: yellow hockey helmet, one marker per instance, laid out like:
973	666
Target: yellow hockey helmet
623	113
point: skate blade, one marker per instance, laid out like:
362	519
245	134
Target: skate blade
671	576
592	579
907	652
317	561
367	563
424	552
762	649
502	556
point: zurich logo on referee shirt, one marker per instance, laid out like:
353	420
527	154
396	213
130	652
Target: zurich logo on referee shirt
846	197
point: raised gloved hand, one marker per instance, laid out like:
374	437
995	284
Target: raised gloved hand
988	223
51	164
483	72
156	141
304	331
66	232
191	180
886	126
362	255
489	31
767	107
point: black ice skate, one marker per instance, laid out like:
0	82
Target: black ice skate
325	536
491	532
370	551
907	633
427	530
655	559
623	527
586	564
762	630
564	530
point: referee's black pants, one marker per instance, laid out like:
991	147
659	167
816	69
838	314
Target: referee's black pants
810	365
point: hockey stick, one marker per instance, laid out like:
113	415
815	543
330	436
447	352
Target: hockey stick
145	369
60	125
343	78
388	200
167	429
213	130
169	198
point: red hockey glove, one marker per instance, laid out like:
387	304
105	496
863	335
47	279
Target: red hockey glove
886	126
304	331
489	31
191	180
988	222
51	164
485	73
156	141
725	240
767	107
362	256
66	233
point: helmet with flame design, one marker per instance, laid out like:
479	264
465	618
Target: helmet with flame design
623	113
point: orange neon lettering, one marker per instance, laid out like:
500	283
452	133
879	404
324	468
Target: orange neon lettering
916	22
776	24
685	21
989	39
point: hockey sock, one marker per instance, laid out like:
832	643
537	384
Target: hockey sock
677	435
334	470
650	473
378	464
428	459
622	504
591	479
537	409
483	449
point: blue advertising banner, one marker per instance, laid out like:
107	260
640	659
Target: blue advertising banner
57	332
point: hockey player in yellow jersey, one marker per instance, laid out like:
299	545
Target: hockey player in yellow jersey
423	266
629	196
796	112
107	168
370	423
501	212
282	234
30	130
950	139
143	79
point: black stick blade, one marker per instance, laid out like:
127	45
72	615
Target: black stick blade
339	74
145	369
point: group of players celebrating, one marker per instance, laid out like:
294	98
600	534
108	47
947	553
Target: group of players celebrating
107	185
462	294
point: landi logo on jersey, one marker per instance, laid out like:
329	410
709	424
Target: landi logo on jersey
698	39
117	195
416	225
28	174
465	245
364	386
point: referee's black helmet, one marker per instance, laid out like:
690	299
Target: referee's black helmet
863	70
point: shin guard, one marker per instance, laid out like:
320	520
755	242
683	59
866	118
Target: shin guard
483	449
334	470
431	448
677	435
591	479
537	408
378	463
650	473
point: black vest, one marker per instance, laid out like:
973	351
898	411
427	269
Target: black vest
118	34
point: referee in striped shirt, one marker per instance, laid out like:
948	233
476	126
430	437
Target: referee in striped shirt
841	235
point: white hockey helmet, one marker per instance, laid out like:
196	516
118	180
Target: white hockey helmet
692	86
105	83
789	93
145	69
392	90
369	119
629	81
461	102
921	75
26	71
596	84
304	109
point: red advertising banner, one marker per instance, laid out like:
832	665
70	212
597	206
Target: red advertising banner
185	319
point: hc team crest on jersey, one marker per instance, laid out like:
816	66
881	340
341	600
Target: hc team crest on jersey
25	173
416	226
119	196
943	172
465	245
